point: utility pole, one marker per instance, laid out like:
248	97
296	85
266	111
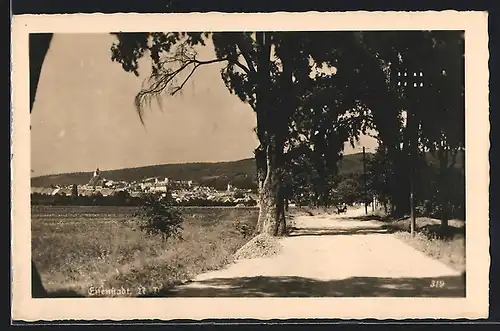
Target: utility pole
411	160
409	83
365	195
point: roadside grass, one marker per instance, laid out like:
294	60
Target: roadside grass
77	254
445	246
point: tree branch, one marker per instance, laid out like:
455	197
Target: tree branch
209	61
159	81
178	88
246	55
245	69
162	78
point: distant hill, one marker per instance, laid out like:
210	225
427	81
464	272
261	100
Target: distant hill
433	160
240	173
352	163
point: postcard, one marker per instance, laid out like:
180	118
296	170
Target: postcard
267	165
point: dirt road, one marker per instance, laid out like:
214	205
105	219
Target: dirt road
333	256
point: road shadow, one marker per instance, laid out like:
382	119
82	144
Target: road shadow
364	218
285	286
325	231
57	294
39	291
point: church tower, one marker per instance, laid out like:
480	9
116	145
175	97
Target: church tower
97	179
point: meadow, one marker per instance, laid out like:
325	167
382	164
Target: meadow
99	251
94	251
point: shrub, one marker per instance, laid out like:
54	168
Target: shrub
244	229
160	217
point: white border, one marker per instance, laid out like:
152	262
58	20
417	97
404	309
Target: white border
475	305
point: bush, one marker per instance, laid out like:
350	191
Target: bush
349	191
244	229
160	217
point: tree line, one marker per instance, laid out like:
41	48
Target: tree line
379	183
122	198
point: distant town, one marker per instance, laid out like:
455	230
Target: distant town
179	191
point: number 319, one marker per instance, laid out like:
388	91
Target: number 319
437	283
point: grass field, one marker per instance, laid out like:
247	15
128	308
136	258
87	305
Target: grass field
99	251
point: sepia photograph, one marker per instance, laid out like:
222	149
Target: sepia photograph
250	163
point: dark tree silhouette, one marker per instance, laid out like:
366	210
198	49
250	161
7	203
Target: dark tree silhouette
39	44
436	109
379	172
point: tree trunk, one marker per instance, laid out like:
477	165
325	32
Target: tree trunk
280	210
272	127
272	207
400	189
443	188
261	163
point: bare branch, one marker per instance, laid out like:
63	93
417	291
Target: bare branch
230	60
245	69
163	75
178	88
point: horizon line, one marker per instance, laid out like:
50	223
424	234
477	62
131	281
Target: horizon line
160	164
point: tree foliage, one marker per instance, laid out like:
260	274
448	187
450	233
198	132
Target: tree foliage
380	171
436	112
349	191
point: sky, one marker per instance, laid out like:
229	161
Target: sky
84	115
